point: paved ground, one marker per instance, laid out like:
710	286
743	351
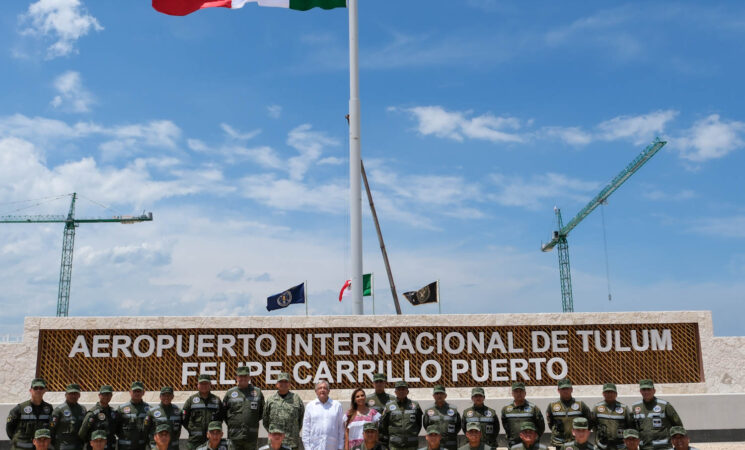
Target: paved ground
721	446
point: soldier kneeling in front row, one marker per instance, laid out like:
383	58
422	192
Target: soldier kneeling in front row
529	439
276	436
581	434
215	440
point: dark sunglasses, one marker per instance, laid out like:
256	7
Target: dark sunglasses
38	388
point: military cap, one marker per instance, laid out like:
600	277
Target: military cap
477	391
527	426
163	427
275	429
565	383
283	376
402	384
214	425
438	389
243	370
99	434
609	387
432	429
166	390
204	378
580	423
518	385
630	433
38	382
379	377
646	384
72	388
106	389
43	433
678	430
473	426
137	385
369	426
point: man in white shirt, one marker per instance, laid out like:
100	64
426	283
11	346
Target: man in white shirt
323	423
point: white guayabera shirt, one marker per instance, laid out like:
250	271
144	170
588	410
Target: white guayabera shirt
323	426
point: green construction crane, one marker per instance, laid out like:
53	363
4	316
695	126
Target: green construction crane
68	241
560	237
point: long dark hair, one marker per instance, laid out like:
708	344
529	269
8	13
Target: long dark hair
353	408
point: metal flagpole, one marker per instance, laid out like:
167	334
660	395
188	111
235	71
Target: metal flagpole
355	162
372	289
306	297
439	305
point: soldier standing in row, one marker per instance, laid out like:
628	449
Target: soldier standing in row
165	413
529	438
215	440
562	412
285	410
199	410
379	399
484	416
402	420
67	419
609	418
654	417
130	417
581	434
517	413
101	417
27	417
244	407
445	416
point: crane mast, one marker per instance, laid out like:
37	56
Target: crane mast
559	237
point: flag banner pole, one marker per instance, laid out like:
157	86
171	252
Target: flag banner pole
306	298
372	290
355	188
439	304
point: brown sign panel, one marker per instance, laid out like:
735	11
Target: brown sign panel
347	357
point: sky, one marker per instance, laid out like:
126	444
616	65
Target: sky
478	118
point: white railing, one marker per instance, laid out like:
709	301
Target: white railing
10	338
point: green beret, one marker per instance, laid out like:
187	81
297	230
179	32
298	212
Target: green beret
580	423
214	425
275	429
518	385
527	426
166	390
369	426
646	384
678	430
432	429
72	388
163	427
43	433
473	426
283	376
630	433
565	383
243	370
38	382
379	377
438	389
477	391
106	389
137	385
401	384
204	378
99	434
609	387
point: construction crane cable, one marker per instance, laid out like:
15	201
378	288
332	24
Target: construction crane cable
100	204
35	199
605	247
50	199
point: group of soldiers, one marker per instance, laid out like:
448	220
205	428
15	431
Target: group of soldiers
650	424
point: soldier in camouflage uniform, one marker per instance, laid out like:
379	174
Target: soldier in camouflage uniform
199	411
402	420
100	417
66	421
378	399
631	438
27	417
679	439
581	434
371	436
473	436
562	412
130	417
433	438
529	438
285	411
244	407
517	413
165	413
42	439
275	438
215	440
445	416
654	417
609	418
484	416
98	440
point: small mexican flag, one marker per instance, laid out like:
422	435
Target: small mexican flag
184	7
366	286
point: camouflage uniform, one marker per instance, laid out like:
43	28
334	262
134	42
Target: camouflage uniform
163	414
197	413
100	418
653	420
447	420
129	425
401	422
486	418
609	422
66	422
23	421
285	412
560	415
243	411
224	444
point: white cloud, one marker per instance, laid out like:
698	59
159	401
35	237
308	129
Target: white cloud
274	111
639	129
533	193
710	138
232	274
570	135
721	227
331	161
65	21
72	95
294	195
310	144
660	195
456	125
235	134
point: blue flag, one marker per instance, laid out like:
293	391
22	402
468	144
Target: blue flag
284	299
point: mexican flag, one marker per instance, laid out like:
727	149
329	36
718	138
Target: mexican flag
366	286
184	7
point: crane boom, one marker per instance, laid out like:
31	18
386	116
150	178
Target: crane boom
611	187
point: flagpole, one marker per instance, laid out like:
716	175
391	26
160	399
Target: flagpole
439	305
372	289
306	297
355	162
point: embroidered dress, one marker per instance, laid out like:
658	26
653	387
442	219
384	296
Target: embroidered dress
355	426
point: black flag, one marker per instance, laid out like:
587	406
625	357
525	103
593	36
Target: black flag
428	294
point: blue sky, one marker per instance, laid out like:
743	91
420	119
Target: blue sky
478	116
